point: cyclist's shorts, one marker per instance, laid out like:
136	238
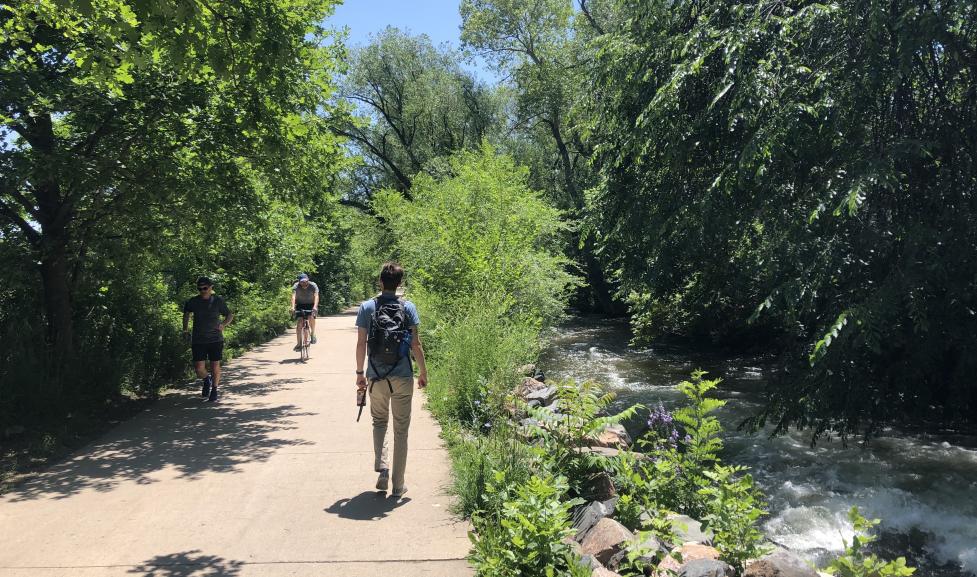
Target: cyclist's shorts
207	351
302	313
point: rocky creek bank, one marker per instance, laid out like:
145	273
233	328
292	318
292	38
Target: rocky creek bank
604	544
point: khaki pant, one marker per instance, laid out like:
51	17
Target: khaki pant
382	403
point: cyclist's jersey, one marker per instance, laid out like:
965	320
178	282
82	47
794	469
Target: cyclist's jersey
305	297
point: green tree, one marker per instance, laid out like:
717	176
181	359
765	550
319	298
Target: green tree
124	110
802	172
479	230
541	45
416	104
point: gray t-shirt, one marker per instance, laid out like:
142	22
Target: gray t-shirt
207	314
364	318
305	296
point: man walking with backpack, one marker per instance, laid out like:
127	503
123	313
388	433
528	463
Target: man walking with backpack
388	327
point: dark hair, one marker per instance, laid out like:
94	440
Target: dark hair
390	275
204	281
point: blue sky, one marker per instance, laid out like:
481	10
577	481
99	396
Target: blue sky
439	19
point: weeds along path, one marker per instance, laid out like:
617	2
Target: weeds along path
275	479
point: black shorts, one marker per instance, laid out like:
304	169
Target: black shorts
207	351
301	313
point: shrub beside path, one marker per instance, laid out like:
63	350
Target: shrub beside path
276	479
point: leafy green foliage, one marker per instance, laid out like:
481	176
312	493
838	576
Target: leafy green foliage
681	471
798	175
479	456
539	46
525	537
855	563
734	507
562	436
141	145
479	233
416	104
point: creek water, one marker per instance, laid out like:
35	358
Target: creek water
924	489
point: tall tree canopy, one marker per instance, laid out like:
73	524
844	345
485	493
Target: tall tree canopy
805	170
541	46
416	104
152	140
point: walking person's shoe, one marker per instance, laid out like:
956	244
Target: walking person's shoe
399	491
298	347
383	480
312	340
205	390
213	395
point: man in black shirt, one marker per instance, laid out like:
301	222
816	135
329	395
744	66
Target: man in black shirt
207	340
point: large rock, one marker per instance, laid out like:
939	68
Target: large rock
611	505
687	529
650	550
588	561
605	539
529	385
683	554
608	452
553	407
602	488
603	572
614	436
706	568
541	397
780	563
586	517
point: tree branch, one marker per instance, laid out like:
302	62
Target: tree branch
590	17
32	235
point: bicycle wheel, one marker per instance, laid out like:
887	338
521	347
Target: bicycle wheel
305	340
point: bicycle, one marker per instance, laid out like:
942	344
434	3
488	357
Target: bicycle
306	334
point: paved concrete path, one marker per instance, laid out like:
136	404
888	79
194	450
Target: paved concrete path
276	479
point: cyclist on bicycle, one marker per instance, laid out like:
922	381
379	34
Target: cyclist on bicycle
305	303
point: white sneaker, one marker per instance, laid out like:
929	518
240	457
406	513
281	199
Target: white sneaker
399	492
383	479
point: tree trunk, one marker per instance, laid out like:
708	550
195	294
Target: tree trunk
57	296
600	289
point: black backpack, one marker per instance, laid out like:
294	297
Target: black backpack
389	338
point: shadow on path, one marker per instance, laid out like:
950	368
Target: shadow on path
188	564
182	432
367	506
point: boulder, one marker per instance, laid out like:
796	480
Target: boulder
614	436
603	572
706	568
541	397
650	549
553	407
602	451
602	488
586	517
529	385
687	530
605	539
780	563
588	561
683	554
574	546
611	505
